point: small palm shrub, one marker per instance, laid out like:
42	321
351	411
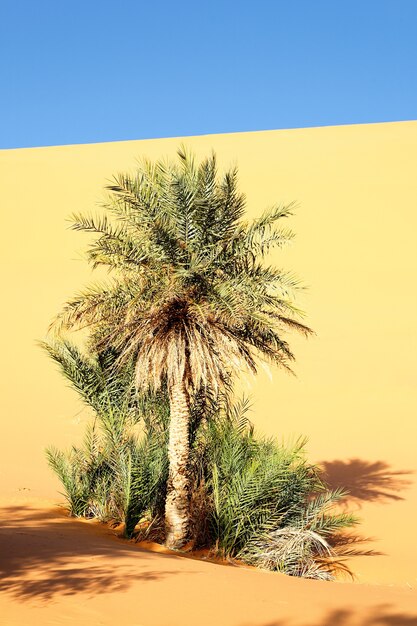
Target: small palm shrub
306	548
114	483
117	474
117	483
84	475
76	487
265	505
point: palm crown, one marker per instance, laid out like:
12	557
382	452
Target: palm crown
192	298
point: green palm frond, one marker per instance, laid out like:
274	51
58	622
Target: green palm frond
95	304
70	469
106	388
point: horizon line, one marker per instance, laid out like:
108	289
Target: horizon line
213	134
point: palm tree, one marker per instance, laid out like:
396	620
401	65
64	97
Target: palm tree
191	299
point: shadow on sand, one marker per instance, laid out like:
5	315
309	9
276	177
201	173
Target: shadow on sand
366	481
382	615
43	553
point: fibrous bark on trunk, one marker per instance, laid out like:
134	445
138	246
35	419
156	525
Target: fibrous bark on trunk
177	500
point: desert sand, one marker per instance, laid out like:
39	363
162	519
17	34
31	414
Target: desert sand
354	395
60	571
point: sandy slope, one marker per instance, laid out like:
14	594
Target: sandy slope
354	396
57	571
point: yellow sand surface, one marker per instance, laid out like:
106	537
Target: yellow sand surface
354	394
61	572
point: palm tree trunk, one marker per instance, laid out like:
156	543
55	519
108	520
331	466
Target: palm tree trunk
177	501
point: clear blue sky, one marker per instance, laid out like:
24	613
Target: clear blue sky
91	71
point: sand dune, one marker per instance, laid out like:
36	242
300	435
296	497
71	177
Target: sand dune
354	395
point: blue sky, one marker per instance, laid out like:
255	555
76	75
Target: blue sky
92	71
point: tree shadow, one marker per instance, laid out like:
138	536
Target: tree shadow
349	544
381	615
43	553
366	481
